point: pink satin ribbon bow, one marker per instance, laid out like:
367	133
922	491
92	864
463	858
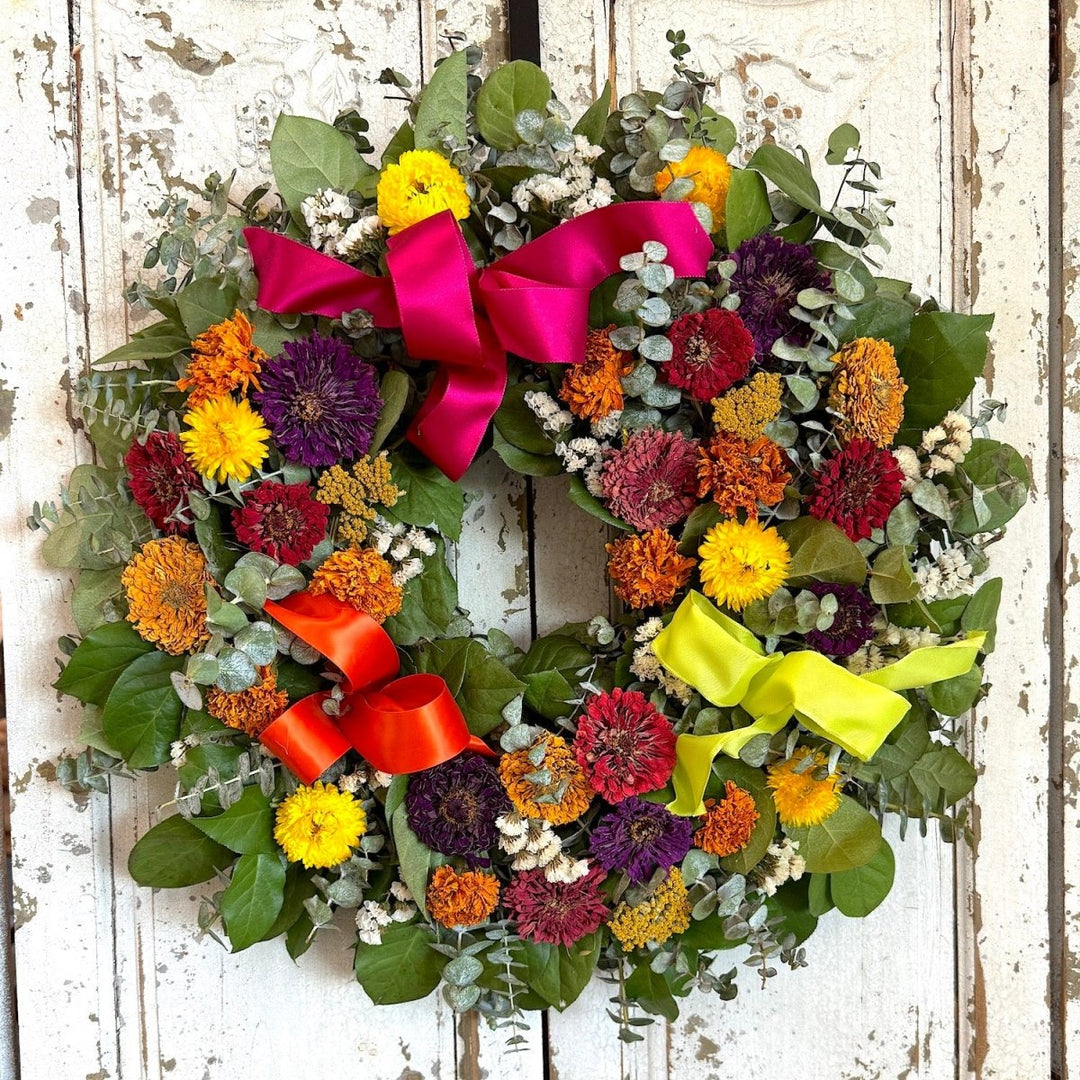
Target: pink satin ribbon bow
533	302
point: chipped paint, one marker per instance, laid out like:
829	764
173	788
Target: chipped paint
186	54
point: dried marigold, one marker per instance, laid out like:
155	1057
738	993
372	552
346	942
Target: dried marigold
647	570
250	710
801	797
357	491
592	389
361	577
729	822
740	474
165	587
665	913
867	392
465	898
545	781
225	358
746	410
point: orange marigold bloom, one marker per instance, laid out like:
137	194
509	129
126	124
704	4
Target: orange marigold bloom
250	710
467	898
867	392
592	389
225	359
740	474
361	577
729	823
648	569
552	787
165	587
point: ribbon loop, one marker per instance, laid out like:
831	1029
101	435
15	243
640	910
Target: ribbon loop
397	725
533	302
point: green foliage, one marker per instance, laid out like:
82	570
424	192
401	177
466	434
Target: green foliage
550	671
821	552
429	603
174	854
847	838
403	968
508	90
142	712
441	114
430	498
594	119
856	892
415	859
747	211
892	581
100	659
989	487
253	898
581	497
247	827
205	302
789	174
559	975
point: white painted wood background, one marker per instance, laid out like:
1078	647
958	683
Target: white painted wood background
105	104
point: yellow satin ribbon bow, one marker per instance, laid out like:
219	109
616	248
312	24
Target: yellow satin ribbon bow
722	660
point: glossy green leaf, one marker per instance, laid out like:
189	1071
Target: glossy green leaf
858	891
253	898
581	496
247	827
549	671
847	838
747	211
415	859
789	174
403	967
205	302
511	88
442	109
821	552
99	660
594	119
174	854
428	605
1001	478
892	581
559	975
981	611
142	712
430	499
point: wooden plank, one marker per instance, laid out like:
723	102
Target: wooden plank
1001	106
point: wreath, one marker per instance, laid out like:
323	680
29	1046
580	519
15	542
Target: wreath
799	514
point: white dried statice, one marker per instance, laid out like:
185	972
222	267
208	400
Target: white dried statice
946	577
868	658
908	461
364	776
907	639
947	444
403	546
360	238
554	419
575	190
578	454
647	667
781	863
535	845
327	214
607	427
372	915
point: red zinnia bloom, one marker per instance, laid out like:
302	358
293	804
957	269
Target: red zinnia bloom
712	350
857	489
556	912
160	478
282	521
624	745
651	482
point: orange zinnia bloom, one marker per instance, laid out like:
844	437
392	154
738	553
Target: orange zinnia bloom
462	899
592	389
739	474
647	570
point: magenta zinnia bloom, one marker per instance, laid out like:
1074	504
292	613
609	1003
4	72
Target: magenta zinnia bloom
640	837
711	350
161	478
320	401
556	912
624	745
857	489
852	626
282	521
651	482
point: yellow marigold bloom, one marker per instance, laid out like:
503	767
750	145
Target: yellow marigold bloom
545	781
358	491
647	570
251	710
421	184
462	899
867	392
665	913
740	474
164	584
746	410
361	577
742	563
800	798
225	359
227	438
711	173
319	825
729	822
592	389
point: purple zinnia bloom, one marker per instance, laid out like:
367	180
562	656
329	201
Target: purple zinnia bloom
320	401
770	273
853	624
638	837
452	807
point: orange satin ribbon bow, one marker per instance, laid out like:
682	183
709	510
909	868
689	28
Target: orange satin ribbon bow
398	725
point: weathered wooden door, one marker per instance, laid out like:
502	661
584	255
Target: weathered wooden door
107	104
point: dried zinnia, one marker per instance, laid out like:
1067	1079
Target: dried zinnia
461	898
740	474
802	796
225	358
711	350
857	488
161	478
545	781
592	389
867	392
729	822
165	584
361	577
651	482
711	174
420	184
319	825
625	746
252	710
556	912
281	520
662	915
320	400
640	837
852	625
647	570
741	563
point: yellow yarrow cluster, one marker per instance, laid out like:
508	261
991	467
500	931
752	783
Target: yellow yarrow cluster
319	825
357	492
747	410
665	913
165	588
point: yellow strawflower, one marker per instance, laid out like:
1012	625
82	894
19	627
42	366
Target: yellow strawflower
742	563
711	173
227	438
319	825
421	184
801	799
